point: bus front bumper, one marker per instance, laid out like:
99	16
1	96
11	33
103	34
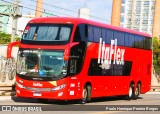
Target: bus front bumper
55	95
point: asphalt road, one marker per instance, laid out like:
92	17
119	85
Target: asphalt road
146	103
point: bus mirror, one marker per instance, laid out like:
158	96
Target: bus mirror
9	48
86	30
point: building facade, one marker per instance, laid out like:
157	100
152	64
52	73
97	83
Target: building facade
84	13
3	18
140	15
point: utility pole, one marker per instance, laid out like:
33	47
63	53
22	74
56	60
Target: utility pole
15	14
39	8
116	12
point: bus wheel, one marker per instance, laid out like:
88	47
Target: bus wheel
42	100
137	91
130	92
86	94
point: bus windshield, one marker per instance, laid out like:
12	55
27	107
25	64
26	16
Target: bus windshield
41	63
47	32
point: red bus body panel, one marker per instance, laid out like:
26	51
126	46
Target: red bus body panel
101	85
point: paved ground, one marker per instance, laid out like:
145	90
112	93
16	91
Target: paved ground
97	106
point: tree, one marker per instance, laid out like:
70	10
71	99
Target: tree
156	55
6	38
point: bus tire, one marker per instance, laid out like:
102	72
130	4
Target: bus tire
137	92
130	92
86	94
89	93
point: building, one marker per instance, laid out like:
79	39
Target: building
84	13
140	15
21	24
3	23
3	18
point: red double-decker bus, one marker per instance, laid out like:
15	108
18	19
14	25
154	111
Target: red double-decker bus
72	58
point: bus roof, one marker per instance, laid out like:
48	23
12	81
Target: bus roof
71	20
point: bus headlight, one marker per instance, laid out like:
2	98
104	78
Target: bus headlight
20	85
59	87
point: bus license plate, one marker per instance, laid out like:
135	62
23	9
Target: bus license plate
37	94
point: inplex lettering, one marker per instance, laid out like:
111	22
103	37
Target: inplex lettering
105	54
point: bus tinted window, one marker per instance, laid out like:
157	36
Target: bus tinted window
29	33
148	43
131	40
97	34
126	41
104	35
120	38
48	32
64	33
96	69
139	41
77	35
90	33
109	36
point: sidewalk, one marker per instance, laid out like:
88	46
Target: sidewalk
4	98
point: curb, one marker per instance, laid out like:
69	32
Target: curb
4	98
153	93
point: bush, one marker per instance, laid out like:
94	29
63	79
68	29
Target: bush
6	38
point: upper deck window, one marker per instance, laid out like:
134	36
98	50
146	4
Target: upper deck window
47	32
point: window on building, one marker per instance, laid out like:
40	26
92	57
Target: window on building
138	3
152	2
123	1
122	19
123	9
146	2
153	8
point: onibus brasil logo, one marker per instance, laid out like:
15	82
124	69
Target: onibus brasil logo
105	54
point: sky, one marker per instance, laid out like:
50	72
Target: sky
100	10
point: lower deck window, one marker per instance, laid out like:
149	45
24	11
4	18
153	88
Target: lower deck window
96	69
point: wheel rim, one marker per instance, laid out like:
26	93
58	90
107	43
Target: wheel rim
84	94
130	92
137	91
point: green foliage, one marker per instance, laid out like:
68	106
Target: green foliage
6	38
156	55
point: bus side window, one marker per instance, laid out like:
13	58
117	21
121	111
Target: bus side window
148	43
97	34
90	33
126	41
139	41
109	36
77	35
76	58
120	38
104	33
142	42
80	33
131	40
136	41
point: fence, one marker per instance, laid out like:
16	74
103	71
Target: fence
7	66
